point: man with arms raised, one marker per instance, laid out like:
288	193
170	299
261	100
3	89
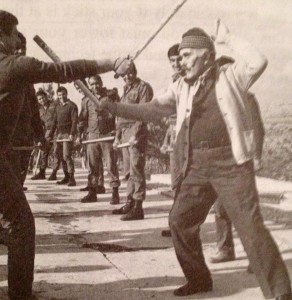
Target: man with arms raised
213	157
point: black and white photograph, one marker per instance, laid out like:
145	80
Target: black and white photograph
145	149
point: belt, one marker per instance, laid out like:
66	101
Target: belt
205	145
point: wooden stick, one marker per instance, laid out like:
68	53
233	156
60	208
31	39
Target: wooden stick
162	24
18	148
49	51
127	144
63	140
37	162
104	139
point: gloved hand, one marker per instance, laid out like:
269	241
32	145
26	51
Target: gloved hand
122	66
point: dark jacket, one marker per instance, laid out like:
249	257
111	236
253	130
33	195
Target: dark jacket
29	127
96	122
48	114
139	92
16	72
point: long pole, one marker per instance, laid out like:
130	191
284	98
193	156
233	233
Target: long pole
49	51
162	24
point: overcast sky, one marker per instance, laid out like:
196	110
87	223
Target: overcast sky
111	28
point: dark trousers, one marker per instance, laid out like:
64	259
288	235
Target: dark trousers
19	161
95	154
63	153
223	228
17	230
44	156
214	174
135	156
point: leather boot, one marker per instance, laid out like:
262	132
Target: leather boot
53	176
85	189
124	209
65	180
223	255
40	175
136	213
100	189
115	196
90	197
71	181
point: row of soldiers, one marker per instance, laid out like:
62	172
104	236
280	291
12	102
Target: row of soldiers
61	120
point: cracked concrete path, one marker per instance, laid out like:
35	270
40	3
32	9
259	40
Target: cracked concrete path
83	252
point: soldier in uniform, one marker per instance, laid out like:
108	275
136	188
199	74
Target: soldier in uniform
83	135
136	91
65	122
99	124
17	72
47	109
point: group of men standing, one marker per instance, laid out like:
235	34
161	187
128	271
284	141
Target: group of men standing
213	153
60	119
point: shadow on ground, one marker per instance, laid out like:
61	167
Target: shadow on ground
226	284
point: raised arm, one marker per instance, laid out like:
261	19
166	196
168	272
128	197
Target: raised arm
251	63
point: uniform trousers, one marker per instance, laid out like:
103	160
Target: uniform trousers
135	155
63	153
212	174
17	230
95	154
44	156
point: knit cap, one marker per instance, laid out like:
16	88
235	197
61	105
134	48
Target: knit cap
196	38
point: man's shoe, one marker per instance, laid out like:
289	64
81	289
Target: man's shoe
223	256
115	196
85	189
190	289
65	180
136	213
40	175
53	176
166	233
284	297
90	197
100	189
71	181
24	188
125	208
